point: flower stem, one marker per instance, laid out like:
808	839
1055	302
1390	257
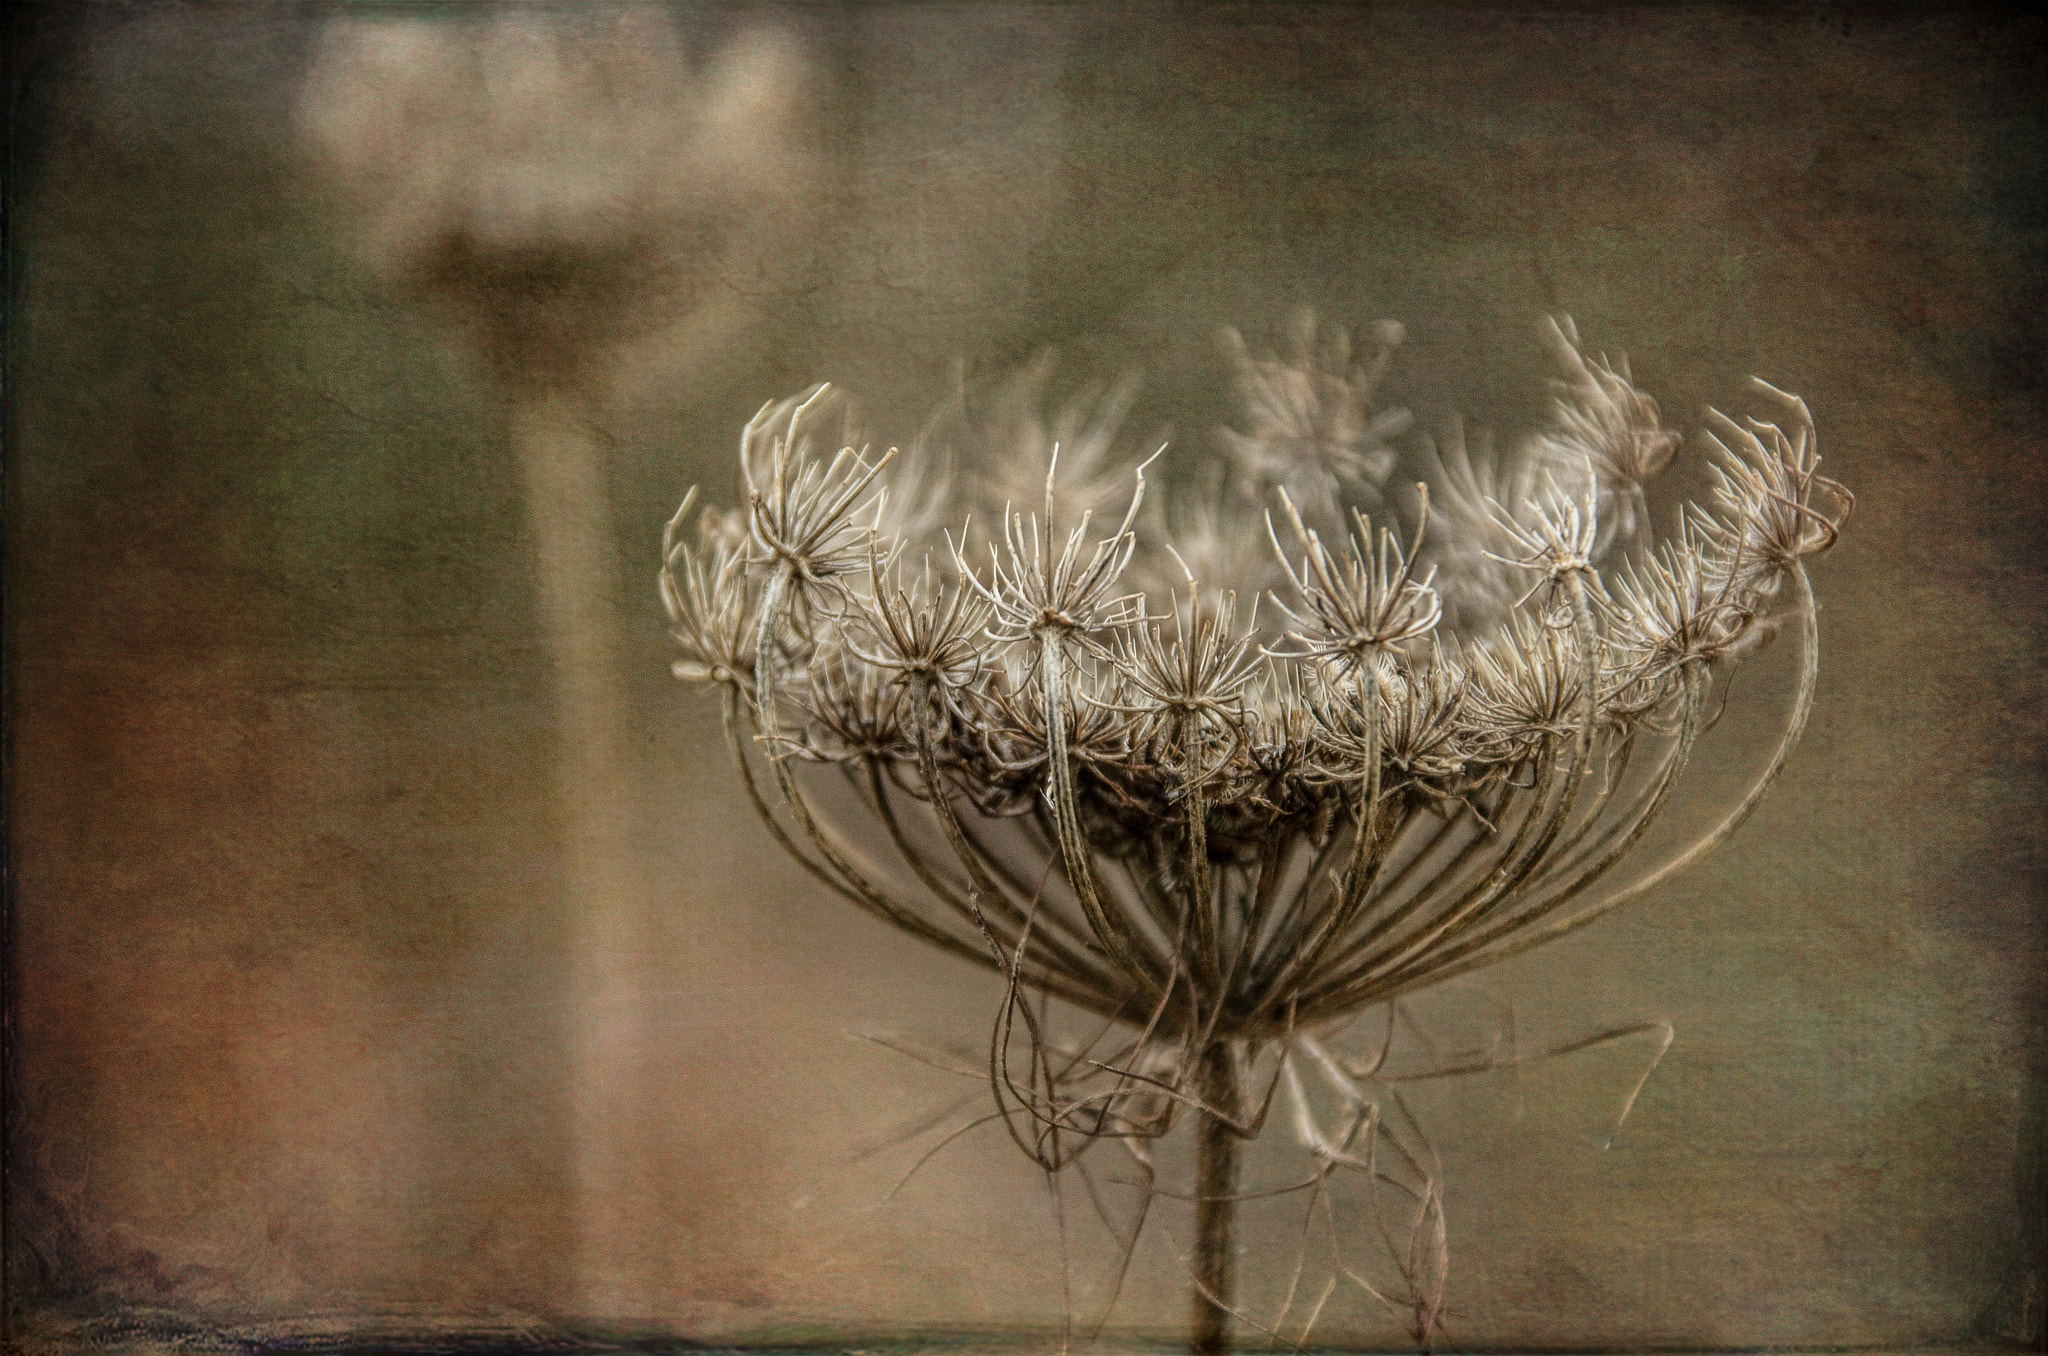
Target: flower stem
1215	1204
1109	928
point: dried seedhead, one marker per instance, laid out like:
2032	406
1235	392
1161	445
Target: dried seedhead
804	511
1218	842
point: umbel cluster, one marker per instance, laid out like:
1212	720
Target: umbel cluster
1223	769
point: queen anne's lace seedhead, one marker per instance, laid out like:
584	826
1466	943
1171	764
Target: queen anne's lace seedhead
1410	761
1047	687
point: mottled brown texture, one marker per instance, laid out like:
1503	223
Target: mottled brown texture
297	1020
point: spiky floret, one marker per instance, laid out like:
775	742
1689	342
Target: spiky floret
1309	418
1668	610
918	628
803	511
1523	688
1201	670
1188	691
1360	601
1423	727
1600	420
704	591
1772	507
1035	591
1556	534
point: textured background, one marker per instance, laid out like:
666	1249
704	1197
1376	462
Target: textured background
311	1012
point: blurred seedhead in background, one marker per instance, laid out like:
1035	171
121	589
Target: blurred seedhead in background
571	188
589	201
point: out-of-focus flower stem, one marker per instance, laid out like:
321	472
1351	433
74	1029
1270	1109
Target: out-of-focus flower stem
594	792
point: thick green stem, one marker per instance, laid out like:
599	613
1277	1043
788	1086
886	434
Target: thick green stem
1216	1148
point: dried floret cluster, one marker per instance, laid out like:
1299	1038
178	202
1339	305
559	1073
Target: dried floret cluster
1309	739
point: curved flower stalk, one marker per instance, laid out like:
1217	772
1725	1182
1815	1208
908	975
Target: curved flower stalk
1223	844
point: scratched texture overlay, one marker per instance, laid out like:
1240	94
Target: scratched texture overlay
392	958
